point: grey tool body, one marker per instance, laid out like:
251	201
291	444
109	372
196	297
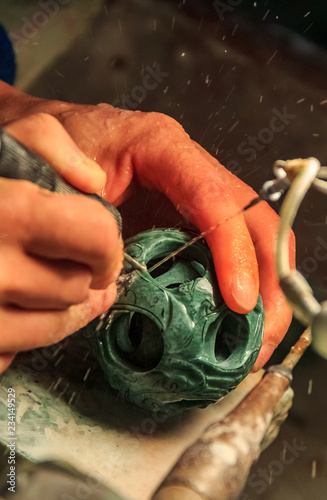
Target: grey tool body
19	162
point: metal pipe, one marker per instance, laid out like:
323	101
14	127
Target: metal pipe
217	465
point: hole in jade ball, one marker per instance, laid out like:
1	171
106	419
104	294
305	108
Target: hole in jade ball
139	341
174	285
162	269
232	332
177	270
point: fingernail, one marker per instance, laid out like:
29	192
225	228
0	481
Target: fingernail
94	170
77	161
245	292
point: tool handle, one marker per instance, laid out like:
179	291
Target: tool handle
19	162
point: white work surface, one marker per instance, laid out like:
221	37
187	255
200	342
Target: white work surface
66	411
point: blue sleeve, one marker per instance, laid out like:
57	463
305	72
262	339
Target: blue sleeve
7	58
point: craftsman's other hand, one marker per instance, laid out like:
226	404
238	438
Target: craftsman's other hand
155	149
59	254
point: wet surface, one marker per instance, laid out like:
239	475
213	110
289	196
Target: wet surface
66	411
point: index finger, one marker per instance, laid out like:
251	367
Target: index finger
171	163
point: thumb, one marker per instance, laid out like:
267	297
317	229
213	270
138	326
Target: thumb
46	136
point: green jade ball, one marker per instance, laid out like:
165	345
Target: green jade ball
170	342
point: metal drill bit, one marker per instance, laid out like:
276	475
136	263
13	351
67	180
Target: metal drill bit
134	263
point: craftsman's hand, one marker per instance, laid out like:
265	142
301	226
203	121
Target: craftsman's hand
59	254
155	149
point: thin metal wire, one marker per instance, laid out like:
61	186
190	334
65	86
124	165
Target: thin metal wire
200	236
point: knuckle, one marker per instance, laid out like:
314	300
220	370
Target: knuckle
162	123
156	134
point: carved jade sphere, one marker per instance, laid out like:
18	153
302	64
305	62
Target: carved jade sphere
170	342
